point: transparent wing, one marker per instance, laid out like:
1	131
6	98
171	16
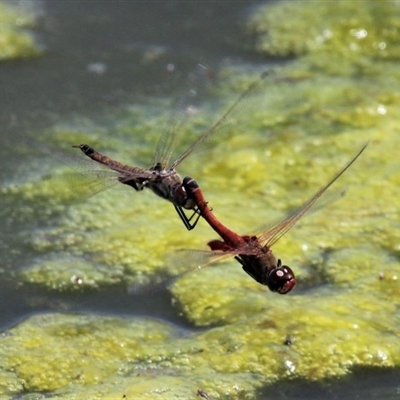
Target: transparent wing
272	235
230	118
184	108
324	202
196	259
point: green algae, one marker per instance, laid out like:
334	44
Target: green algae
329	248
340	37
330	334
15	40
345	256
141	358
70	274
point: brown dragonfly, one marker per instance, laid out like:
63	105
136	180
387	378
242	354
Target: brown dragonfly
254	252
162	178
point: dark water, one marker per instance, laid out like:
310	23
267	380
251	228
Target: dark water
368	383
94	60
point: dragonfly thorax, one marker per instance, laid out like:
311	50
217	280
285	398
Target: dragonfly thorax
159	169
168	185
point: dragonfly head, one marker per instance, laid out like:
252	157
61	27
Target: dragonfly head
281	279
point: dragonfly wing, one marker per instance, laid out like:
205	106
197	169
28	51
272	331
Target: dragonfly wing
231	117
197	259
272	235
327	199
184	108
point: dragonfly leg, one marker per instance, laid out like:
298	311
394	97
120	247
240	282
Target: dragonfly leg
189	187
187	221
133	183
247	267
184	199
238	259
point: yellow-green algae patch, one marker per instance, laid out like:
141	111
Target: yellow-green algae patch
70	274
338	37
15	40
351	247
331	333
342	313
98	357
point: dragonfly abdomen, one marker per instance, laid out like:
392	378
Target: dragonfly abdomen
125	170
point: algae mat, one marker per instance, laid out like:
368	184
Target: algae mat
342	314
16	32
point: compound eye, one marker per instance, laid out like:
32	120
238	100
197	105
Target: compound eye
180	196
281	279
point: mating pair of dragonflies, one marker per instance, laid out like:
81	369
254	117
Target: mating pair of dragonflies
252	252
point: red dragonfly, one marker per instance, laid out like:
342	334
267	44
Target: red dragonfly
162	177
254	252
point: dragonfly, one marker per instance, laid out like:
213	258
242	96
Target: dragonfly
253	252
162	178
